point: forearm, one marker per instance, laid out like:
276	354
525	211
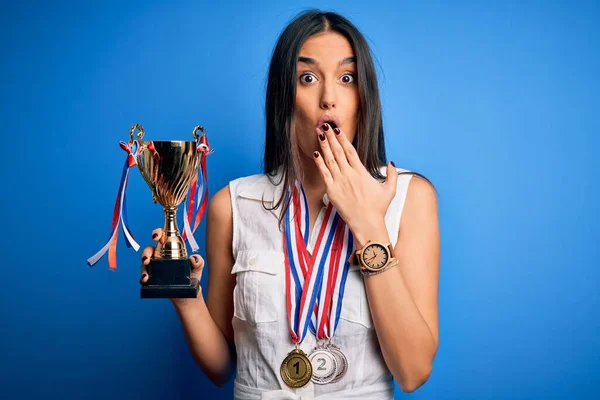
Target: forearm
406	340
207	343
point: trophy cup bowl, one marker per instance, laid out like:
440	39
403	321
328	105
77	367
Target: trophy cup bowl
169	167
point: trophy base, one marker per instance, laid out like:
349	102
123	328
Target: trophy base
170	279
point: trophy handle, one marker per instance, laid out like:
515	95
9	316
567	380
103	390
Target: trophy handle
195	132
140	134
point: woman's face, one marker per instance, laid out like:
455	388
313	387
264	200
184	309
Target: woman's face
326	89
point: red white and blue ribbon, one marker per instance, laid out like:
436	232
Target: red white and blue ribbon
305	272
334	283
120	212
198	195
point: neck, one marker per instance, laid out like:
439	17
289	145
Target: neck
313	183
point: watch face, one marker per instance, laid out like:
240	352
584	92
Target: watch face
375	256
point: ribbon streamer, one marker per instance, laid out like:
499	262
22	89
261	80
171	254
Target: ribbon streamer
198	196
120	212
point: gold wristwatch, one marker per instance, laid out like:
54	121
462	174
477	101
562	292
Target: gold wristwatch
374	257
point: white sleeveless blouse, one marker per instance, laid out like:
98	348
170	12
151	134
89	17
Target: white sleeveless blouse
260	324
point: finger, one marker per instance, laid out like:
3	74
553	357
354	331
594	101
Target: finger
336	148
327	155
323	170
197	266
146	256
349	150
144	277
158	235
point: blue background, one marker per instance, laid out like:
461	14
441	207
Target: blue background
497	103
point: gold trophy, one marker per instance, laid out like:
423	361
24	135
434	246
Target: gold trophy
169	168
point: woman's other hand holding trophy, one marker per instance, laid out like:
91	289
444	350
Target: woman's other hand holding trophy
150	252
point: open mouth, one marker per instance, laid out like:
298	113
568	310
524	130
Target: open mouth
332	120
332	124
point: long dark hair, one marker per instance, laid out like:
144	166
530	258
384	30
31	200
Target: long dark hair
281	146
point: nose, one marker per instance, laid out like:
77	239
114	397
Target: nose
327	100
326	105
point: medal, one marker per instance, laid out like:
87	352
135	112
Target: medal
341	359
311	297
296	369
325	365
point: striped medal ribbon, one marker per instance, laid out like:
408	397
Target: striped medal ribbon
305	275
329	362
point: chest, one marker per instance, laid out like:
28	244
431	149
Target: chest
260	295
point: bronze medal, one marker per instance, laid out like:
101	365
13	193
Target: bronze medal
342	361
296	369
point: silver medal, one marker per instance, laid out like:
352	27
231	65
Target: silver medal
342	361
324	365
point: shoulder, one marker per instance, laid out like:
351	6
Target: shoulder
420	208
249	182
251	186
415	196
256	187
421	191
219	206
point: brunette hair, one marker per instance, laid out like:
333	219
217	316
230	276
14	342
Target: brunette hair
281	147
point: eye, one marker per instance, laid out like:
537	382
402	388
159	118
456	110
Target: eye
307	78
348	78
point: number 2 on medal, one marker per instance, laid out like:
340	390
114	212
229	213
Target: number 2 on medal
297	365
322	361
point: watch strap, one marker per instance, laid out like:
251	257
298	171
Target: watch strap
392	263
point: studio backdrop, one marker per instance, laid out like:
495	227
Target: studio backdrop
495	102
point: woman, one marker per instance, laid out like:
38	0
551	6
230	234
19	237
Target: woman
284	308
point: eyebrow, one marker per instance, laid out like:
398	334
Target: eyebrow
311	61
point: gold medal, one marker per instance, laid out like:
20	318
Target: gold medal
296	369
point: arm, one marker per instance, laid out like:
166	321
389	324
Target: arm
207	325
403	300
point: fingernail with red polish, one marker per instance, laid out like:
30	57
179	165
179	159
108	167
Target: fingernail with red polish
393	165
321	137
325	127
316	154
337	131
154	236
144	258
